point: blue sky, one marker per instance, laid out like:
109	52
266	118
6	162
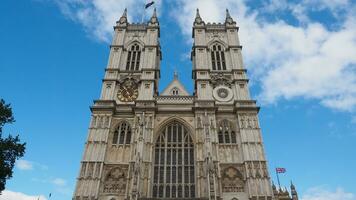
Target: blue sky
300	56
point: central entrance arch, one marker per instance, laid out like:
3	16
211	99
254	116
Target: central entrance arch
173	175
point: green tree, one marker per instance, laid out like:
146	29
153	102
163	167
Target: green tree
10	147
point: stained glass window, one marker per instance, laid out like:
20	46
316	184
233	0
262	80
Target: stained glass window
176	155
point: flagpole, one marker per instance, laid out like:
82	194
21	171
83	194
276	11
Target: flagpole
279	184
143	13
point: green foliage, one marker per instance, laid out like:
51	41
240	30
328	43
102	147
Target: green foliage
10	147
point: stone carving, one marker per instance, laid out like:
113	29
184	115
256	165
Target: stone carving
129	80
221	79
248	121
257	169
232	180
115	179
199	123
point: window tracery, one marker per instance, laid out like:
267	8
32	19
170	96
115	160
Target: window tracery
218	57
174	175
175	91
133	58
122	134
226	134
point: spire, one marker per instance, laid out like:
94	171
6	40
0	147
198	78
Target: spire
292	187
293	191
123	18
154	19
198	20
229	19
197	15
175	75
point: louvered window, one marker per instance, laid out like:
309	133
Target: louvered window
133	58
174	175
218	57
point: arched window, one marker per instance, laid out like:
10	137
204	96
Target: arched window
122	134
174	175
218	57
133	58
226	134
175	91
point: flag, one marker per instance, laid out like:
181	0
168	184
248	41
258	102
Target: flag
280	170
149	4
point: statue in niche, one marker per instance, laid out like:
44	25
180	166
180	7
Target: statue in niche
210	164
199	122
249	123
255	122
242	121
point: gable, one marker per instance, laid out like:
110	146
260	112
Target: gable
175	88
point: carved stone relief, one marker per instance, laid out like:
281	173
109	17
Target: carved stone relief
115	179
232	179
257	169
221	79
248	121
100	121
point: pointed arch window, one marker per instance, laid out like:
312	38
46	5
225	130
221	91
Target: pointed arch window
174	175
122	134
133	58
218	57
226	134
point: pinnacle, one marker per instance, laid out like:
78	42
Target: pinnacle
125	13
154	19
198	19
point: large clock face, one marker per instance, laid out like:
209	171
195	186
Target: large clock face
128	91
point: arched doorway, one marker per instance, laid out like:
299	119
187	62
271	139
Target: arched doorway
174	175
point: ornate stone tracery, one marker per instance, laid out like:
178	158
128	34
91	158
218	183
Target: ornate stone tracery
221	79
115	180
232	180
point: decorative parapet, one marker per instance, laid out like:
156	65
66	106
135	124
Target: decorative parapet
175	99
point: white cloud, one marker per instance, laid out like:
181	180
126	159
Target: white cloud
289	61
311	60
10	195
29	165
59	182
99	16
320	193
24	165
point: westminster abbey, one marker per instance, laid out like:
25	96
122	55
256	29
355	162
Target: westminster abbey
146	145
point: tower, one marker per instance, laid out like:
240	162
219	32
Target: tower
234	143
174	145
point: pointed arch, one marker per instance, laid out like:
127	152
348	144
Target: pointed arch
174	167
217	41
169	120
226	132
217	53
134	50
122	133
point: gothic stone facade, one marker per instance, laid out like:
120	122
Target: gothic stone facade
173	145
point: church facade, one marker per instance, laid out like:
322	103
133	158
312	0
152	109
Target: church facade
174	145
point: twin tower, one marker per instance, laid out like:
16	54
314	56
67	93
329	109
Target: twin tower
147	145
